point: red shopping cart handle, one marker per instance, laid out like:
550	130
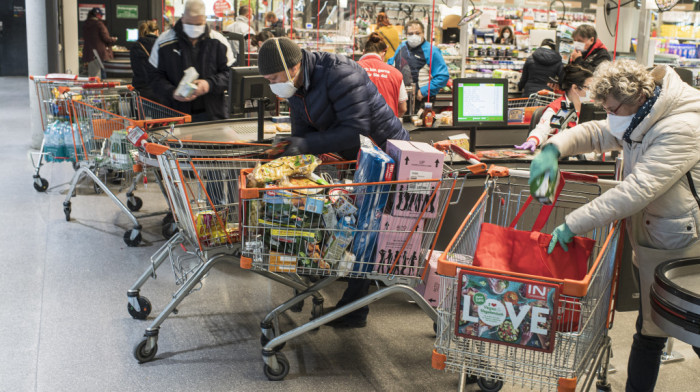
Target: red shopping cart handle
580	177
100	85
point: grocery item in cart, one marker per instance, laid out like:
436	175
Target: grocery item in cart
284	167
394	234
415	161
373	165
339	240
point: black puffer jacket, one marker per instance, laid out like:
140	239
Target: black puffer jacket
139	53
172	55
595	55
336	104
543	64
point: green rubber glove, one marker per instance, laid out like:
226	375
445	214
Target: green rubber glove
546	161
563	235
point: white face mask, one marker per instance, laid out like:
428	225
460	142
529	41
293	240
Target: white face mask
414	40
580	46
285	89
585	97
619	124
506	35
194	31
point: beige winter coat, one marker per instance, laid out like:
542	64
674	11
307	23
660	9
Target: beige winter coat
665	145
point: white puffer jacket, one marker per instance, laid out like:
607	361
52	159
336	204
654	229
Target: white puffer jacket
665	146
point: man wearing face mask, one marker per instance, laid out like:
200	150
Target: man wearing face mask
654	118
190	43
331	102
589	52
413	59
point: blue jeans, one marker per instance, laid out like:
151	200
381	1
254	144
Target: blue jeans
645	358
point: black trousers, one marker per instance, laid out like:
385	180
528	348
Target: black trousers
357	288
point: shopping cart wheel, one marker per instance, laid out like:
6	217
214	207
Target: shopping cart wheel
281	372
489	384
600	387
264	341
40	184
135	241
169	226
66	210
136	205
141	354
145	306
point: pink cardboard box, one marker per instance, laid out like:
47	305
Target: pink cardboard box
415	161
393	233
430	288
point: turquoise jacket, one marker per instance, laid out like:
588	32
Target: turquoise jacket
439	75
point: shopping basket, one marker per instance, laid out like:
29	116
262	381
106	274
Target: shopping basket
201	183
54	112
520	110
279	239
101	148
576	343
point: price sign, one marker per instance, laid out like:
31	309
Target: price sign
507	311
221	7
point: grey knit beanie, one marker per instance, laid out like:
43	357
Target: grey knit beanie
269	59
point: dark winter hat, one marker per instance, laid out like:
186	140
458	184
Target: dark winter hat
97	11
270	60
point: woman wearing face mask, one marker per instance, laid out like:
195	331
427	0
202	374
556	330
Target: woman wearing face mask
413	59
506	37
654	118
575	81
191	43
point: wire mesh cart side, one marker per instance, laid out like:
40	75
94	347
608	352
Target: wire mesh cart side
54	113
579	347
283	231
520	110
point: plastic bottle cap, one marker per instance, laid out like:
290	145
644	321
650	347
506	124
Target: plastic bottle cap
428	105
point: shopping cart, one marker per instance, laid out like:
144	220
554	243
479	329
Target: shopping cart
101	147
521	110
201	180
304	240
579	346
54	112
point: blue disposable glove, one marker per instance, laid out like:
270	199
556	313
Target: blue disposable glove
546	161
563	235
528	145
296	146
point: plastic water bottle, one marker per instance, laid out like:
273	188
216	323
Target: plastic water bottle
69	150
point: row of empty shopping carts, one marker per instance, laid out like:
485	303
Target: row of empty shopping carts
216	214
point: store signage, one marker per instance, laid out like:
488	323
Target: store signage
509	311
83	10
221	7
125	11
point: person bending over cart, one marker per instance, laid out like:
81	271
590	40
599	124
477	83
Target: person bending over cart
331	102
654	118
575	81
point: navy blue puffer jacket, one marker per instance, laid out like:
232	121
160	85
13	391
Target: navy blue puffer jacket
336	104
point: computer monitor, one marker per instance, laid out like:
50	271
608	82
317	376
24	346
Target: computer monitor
132	35
591	112
480	102
246	84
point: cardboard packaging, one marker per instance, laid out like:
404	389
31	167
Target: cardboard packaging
415	161
280	262
430	288
394	233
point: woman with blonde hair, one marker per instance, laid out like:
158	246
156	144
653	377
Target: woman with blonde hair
389	34
654	118
139	54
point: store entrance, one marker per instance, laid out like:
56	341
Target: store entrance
13	38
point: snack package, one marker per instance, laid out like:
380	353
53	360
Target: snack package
280	262
185	88
373	165
285	167
544	189
209	227
339	240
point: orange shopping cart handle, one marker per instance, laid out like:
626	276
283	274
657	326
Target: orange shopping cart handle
580	177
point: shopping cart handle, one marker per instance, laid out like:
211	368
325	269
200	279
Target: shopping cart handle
155	148
100	85
446	145
580	177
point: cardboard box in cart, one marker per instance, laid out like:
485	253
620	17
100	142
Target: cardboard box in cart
394	233
430	288
415	161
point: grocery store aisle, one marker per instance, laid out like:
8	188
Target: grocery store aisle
64	324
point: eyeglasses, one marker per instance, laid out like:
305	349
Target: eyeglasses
587	88
613	111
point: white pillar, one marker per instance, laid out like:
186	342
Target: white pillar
70	36
37	59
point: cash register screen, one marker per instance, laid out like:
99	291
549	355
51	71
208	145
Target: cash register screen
480	102
132	35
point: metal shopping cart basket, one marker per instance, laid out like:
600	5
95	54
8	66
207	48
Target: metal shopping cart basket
508	350
521	110
101	147
201	182
54	112
292	230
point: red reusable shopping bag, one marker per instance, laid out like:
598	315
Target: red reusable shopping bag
507	249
